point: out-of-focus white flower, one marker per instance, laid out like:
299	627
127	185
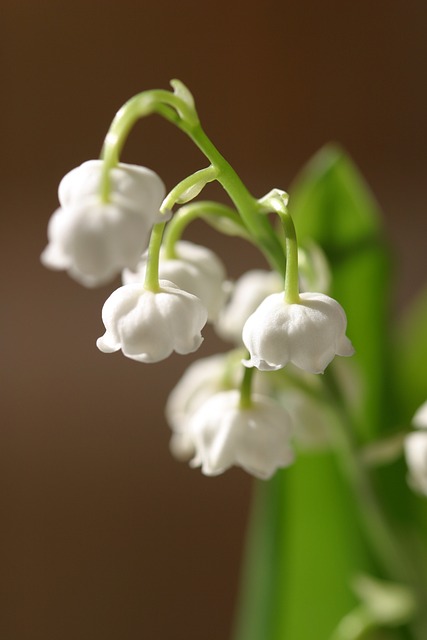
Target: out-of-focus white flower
420	418
416	458
248	292
195	269
201	380
149	326
92	240
256	439
308	333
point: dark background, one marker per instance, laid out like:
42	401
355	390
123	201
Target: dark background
103	534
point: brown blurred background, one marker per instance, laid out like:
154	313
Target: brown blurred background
103	534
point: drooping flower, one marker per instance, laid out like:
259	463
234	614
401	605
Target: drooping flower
256	439
201	380
94	240
148	326
247	294
195	269
308	333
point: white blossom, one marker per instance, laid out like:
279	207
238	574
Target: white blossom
201	380
195	269
308	333
256	439
148	326
94	240
247	294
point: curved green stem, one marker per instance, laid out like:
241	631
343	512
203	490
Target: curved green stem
189	188
151	282
178	109
277	201
187	214
165	103
248	207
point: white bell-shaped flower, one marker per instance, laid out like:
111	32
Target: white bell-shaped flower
247	294
195	269
256	439
149	326
308	333
201	380
92	240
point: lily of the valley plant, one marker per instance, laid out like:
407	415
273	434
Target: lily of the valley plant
337	544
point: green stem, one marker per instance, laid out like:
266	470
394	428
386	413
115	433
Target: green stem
248	207
164	103
291	245
179	112
189	188
151	282
187	214
246	388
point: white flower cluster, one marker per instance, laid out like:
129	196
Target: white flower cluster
94	239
